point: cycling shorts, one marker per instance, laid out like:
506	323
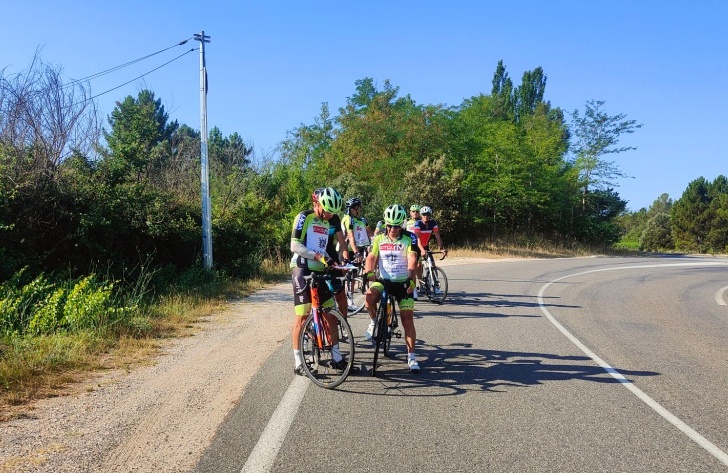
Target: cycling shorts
302	300
399	291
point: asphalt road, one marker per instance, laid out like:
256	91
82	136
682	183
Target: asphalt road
564	365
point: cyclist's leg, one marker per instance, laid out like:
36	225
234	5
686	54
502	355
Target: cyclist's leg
340	296
410	337
406	315
302	307
374	293
328	303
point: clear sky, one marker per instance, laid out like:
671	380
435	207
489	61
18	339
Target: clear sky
271	64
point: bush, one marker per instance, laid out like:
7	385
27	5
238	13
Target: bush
88	305
657	235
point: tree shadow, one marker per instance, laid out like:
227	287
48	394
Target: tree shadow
458	368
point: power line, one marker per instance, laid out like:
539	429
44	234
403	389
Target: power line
139	77
107	71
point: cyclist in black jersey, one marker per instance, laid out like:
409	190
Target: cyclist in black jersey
309	239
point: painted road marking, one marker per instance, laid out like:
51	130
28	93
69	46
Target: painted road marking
719	296
265	451
667	415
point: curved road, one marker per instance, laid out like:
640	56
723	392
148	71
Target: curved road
584	364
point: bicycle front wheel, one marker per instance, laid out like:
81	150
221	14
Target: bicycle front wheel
392	324
381	332
356	288
318	359
439	283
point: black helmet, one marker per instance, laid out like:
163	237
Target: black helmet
352	202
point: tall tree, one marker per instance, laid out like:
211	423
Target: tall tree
530	93
689	216
138	126
597	136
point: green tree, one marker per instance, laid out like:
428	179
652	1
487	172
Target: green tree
139	139
689	216
657	235
662	204
597	136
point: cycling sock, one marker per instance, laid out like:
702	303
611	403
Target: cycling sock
336	354
411	356
297	358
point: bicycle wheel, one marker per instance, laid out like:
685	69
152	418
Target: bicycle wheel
356	288
318	362
392	324
381	331
439	283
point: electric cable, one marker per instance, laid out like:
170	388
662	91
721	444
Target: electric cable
108	71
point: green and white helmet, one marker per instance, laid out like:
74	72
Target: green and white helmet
329	199
395	214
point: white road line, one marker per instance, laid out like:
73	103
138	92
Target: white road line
667	415
719	296
265	451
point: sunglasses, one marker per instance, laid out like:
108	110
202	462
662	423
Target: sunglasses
389	227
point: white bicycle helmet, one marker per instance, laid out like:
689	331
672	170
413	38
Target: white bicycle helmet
425	210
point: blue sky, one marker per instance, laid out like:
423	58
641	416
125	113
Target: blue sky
271	64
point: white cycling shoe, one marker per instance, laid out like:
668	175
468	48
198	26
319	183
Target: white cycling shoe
414	367
369	334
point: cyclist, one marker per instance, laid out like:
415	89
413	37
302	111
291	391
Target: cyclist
356	229
424	229
309	239
393	253
380	227
410	227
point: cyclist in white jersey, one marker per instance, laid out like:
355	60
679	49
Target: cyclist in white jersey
392	252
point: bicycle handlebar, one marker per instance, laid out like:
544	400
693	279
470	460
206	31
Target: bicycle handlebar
437	253
326	274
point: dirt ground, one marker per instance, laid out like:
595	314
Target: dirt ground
157	418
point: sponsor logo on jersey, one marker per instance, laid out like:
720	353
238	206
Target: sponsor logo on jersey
391	247
322	230
300	222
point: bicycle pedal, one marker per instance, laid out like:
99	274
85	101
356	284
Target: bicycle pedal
397	334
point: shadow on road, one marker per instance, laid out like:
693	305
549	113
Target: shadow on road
459	368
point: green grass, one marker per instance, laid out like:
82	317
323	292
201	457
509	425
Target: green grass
38	366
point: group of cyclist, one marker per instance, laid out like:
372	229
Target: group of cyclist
393	250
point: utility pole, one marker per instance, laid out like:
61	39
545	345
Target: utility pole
205	177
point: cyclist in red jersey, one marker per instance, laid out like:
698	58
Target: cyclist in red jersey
424	229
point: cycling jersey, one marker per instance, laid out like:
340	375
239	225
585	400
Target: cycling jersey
410	224
359	227
333	244
424	230
313	233
392	256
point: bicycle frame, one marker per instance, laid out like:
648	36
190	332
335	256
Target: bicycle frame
434	278
386	323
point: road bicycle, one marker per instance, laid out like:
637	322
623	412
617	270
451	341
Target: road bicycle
434	281
322	331
387	322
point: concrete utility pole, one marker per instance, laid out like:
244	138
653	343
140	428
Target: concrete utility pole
205	177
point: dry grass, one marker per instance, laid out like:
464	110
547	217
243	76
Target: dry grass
522	248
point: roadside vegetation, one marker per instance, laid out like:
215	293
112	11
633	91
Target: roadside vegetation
100	240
